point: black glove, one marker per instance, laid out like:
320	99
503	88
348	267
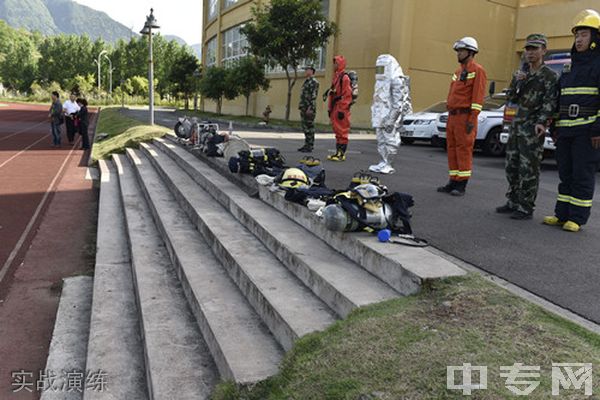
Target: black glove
340	115
470	127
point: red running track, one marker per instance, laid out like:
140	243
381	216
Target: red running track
30	169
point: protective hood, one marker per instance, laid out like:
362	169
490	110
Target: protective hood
391	95
387	68
341	61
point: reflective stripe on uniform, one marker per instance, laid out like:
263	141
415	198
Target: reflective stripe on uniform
579	90
575	122
453	172
573	200
471	75
454	77
464	174
475	106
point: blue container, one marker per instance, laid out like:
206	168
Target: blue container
384	235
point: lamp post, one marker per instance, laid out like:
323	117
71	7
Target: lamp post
197	75
110	71
99	62
147	30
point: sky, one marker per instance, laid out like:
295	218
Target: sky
182	18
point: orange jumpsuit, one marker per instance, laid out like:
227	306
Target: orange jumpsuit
464	103
340	97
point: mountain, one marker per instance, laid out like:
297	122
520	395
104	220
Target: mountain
74	18
197	50
51	17
32	15
175	38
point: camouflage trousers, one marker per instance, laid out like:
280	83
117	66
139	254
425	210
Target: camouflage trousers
524	152
308	127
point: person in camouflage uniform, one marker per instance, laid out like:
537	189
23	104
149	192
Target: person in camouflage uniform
534	91
308	109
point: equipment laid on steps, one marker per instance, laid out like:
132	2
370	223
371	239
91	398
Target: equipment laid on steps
233	146
372	209
293	178
267	161
203	134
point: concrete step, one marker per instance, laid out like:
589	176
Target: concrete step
287	307
406	269
68	347
241	345
115	343
178	362
337	280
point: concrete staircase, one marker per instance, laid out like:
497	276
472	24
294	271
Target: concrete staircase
198	282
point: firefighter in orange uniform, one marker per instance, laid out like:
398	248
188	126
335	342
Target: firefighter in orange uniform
465	101
340	100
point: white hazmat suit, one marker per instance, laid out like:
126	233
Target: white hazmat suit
391	102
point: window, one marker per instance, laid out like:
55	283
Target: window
211	52
229	3
321	58
234	45
212	8
318	62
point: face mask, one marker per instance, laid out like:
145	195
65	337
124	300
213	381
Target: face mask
380	72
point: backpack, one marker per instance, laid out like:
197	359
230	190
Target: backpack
353	76
353	84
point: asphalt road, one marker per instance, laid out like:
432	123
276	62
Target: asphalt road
559	266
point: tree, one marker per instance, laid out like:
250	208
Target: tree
248	75
82	85
213	85
183	74
285	33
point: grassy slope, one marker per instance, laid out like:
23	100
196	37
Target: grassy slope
123	132
400	349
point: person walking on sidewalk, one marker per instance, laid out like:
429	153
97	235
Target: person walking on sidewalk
578	126
70	109
465	101
534	91
56	118
308	108
340	98
83	123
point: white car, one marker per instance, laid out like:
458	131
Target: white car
489	126
422	125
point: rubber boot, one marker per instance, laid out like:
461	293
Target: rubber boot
334	157
340	153
387	168
448	187
459	189
377	167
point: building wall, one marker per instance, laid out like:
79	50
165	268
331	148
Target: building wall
420	34
553	18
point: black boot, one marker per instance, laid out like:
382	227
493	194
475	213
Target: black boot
447	188
459	189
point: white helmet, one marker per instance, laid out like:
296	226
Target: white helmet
468	43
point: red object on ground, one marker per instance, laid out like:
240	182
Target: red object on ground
47	219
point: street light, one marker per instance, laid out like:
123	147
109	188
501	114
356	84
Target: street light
99	61
110	71
197	75
147	30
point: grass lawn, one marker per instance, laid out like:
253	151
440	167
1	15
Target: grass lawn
401	349
123	132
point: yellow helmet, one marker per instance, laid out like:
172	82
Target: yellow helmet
586	19
294	178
